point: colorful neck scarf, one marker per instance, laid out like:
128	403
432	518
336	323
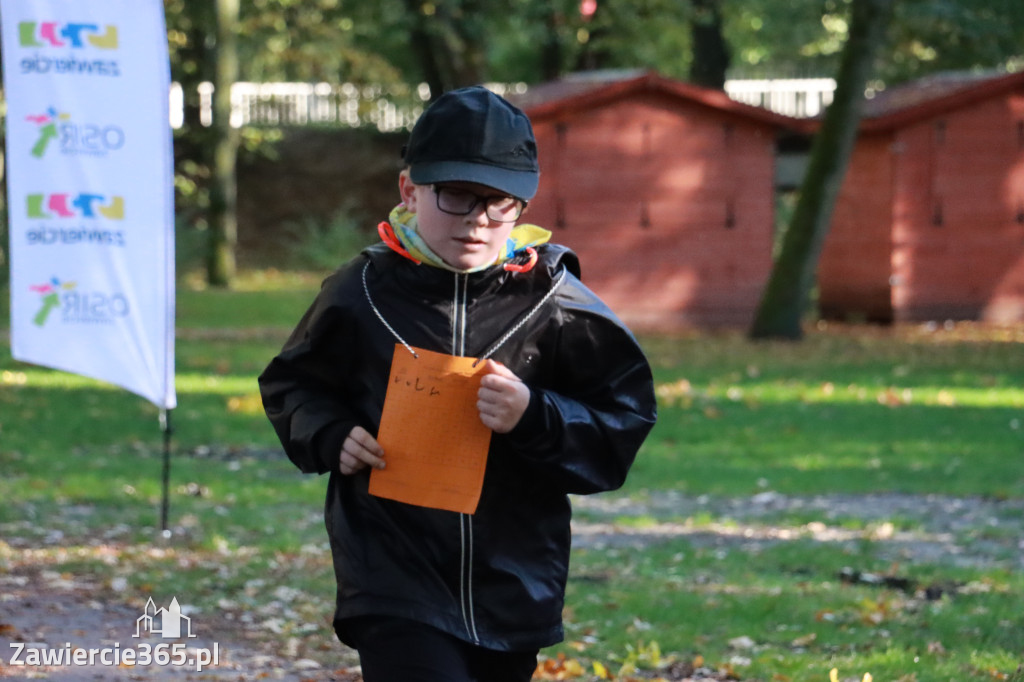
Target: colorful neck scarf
404	224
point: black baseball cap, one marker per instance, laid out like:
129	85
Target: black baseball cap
473	135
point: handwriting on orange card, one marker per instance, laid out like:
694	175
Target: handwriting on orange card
434	443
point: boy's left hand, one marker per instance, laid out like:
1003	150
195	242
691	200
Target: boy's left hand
502	398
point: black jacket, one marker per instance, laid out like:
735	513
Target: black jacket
496	578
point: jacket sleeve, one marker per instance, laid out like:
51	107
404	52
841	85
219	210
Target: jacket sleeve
585	426
302	388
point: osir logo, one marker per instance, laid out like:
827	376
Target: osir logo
77	306
72	137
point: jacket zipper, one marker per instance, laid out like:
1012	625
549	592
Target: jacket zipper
459	305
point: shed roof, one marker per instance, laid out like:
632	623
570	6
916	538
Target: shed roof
911	102
592	89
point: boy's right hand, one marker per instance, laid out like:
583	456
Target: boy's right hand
360	450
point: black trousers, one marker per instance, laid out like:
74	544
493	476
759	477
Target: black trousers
400	650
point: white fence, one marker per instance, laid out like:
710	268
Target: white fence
298	104
798	97
274	104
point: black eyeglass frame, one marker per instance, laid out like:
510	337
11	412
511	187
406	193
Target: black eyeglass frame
477	200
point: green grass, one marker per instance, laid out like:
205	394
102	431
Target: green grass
844	411
849	410
798	618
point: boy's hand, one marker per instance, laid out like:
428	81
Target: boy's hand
360	450
502	398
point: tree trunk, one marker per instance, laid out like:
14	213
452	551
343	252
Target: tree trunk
787	293
223	229
423	46
595	55
199	24
468	27
710	52
551	51
448	38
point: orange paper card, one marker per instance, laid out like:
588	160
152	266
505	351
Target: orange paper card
435	445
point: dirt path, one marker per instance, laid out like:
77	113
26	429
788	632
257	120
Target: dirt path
59	612
968	532
56	613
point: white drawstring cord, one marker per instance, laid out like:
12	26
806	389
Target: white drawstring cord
494	347
369	299
500	342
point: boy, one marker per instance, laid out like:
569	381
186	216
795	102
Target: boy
426	593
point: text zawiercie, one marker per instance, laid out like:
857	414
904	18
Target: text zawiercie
144	654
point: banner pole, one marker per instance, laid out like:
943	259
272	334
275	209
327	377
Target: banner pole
165	426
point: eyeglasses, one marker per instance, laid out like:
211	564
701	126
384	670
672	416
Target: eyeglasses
457	201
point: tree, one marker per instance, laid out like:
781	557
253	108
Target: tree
223	230
788	290
448	37
929	36
551	46
203	43
711	56
323	41
190	37
276	40
772	39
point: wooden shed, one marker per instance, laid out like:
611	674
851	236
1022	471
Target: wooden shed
929	224
664	189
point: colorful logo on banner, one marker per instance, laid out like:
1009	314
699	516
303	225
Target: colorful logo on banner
47	124
77	306
83	206
81	38
67	34
73	138
49	298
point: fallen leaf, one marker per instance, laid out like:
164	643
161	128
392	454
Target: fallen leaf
559	668
806	640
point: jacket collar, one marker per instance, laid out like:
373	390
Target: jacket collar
551	258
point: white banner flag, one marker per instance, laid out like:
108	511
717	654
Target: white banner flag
90	190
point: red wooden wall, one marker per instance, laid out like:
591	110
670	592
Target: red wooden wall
668	203
940	200
854	270
958	248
